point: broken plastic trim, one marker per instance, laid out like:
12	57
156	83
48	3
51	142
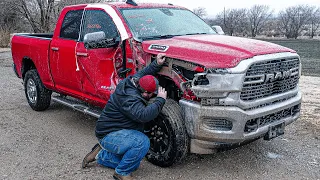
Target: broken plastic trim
124	71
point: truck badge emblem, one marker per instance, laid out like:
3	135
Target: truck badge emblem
280	75
157	47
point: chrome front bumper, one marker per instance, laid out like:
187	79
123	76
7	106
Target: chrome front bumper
204	139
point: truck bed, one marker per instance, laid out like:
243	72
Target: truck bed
38	35
33	47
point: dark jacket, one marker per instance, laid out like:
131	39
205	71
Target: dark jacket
126	108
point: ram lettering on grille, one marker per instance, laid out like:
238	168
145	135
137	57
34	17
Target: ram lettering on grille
271	77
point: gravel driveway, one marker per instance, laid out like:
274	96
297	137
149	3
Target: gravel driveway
51	144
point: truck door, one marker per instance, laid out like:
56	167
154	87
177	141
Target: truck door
63	65
97	65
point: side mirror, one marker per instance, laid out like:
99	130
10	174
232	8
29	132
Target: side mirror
98	40
218	29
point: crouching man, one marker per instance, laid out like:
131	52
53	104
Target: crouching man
122	143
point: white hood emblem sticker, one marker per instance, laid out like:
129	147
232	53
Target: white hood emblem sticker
157	47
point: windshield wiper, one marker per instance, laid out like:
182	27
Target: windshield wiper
195	33
159	37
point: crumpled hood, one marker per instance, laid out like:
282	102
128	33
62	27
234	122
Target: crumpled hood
213	51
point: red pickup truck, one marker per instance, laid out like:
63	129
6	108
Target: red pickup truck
222	90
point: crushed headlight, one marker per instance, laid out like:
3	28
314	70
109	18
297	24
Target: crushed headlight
216	85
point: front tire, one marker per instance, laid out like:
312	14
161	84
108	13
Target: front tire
37	95
169	141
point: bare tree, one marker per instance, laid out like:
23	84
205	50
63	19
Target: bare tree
200	11
41	14
7	21
271	27
315	22
258	15
233	21
8	15
293	20
37	12
212	21
62	3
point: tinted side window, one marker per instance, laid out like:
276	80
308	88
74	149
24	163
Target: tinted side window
97	20
71	25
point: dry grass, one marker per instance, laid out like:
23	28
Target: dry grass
4	37
309	51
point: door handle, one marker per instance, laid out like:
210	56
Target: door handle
82	54
55	49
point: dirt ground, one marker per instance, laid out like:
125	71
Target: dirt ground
51	144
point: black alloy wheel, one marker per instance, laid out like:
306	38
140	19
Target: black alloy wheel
169	141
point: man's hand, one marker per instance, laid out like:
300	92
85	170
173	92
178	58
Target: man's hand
162	93
161	58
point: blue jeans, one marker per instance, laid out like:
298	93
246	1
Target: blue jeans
123	150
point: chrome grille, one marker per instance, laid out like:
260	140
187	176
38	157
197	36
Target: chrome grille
255	88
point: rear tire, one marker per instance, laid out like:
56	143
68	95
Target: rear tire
37	95
169	141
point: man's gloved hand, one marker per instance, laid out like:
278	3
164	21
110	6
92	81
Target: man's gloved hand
161	58
162	93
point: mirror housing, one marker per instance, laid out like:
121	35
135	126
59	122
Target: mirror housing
98	40
218	29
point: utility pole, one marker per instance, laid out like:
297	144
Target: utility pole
224	17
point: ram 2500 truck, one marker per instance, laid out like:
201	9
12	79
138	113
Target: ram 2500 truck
222	90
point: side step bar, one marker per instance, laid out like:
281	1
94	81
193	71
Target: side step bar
78	105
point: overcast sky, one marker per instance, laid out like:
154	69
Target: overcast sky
214	7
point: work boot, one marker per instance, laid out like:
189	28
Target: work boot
119	177
91	156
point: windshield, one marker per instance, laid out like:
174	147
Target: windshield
153	23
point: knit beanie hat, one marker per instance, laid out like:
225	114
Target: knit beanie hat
149	83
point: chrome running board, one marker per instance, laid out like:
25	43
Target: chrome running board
78	105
